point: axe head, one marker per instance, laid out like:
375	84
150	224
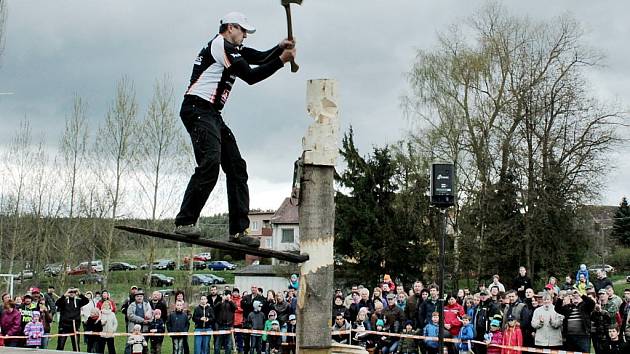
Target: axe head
288	2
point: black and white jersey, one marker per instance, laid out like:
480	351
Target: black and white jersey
220	62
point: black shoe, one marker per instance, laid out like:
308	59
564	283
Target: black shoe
192	231
243	239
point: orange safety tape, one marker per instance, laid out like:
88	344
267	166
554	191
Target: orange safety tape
530	350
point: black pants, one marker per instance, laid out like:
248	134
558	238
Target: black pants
61	341
214	145
109	343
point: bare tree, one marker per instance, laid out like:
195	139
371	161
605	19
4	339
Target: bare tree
17	164
73	148
114	154
160	157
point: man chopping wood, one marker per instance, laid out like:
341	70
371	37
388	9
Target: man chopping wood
215	70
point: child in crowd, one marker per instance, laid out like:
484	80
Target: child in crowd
432	330
466	334
275	340
409	345
582	271
290	345
256	321
34	330
136	340
178	322
512	336
381	342
156	326
495	337
271	316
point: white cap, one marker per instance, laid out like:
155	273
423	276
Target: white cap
239	19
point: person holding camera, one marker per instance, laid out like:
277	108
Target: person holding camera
225	322
69	308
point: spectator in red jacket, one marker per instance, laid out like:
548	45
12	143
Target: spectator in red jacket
106	297
10	323
238	319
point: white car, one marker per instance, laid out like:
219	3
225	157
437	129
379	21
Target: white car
97	266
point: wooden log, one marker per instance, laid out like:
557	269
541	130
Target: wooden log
317	219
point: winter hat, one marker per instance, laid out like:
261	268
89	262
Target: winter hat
275	322
582	266
387	278
380	322
35	314
495	323
272	312
408	323
291	317
257	305
511	317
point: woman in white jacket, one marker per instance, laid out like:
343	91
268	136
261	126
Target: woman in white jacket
110	326
548	324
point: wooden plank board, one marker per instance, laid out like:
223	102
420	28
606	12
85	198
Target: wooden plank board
224	245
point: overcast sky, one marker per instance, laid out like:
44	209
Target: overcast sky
55	49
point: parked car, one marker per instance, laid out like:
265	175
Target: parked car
221	265
92	278
52	270
121	266
204	257
215	279
595	267
197	265
81	269
24	275
200	279
158	279
161	264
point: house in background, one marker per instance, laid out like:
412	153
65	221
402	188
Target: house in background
285	225
260	225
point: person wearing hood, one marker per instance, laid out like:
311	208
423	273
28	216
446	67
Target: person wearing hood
583	271
247	303
94	324
270	318
86	310
256	321
157	326
294	281
69	307
110	326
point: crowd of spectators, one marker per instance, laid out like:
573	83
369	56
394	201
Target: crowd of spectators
572	316
33	314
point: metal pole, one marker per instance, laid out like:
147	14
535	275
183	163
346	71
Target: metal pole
441	279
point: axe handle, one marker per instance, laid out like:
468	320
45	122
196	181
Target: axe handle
287	8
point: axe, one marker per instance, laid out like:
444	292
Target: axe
287	8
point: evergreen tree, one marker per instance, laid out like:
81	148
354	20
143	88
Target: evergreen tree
621	225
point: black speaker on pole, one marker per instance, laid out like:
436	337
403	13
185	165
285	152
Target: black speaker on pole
442	184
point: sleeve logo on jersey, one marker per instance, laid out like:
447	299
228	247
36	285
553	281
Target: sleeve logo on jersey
198	60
